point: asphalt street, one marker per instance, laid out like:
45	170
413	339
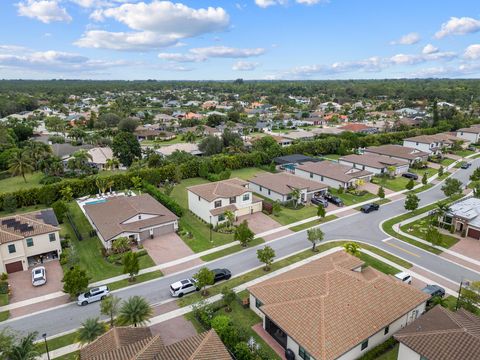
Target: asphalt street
362	227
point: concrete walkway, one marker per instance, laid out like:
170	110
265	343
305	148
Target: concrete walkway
187	309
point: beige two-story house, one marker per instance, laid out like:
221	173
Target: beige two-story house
28	239
210	201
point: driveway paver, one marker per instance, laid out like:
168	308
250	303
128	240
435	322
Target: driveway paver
166	248
174	330
259	222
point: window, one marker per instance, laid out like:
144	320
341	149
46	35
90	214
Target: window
233	200
289	197
311	175
321	178
387	330
261	188
199	198
364	344
29	242
423	357
51	237
139	217
218	203
11	249
303	354
246	197
269	191
258	303
221	217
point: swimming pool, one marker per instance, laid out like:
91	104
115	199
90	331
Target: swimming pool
95	202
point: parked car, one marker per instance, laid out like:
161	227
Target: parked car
39	276
410	175
471	148
319	201
403	276
221	274
334	200
369	207
465	165
183	287
434	290
95	294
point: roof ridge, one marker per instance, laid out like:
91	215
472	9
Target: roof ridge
150	341
205	339
432	332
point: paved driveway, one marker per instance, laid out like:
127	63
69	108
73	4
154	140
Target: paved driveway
22	288
259	222
373	188
166	248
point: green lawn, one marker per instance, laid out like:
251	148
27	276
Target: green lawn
377	264
89	249
350	199
139	279
231	250
396	184
429	171
309	224
446	161
419	227
3	299
4	315
291	215
332	156
179	192
244	318
161	143
17	183
104	173
72	356
391	354
463	152
246	173
57	343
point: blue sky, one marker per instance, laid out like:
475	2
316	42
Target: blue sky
251	39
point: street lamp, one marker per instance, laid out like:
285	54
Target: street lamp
462	282
210	228
44	335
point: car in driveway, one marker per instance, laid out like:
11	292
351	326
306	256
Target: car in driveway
319	201
39	276
93	295
465	165
335	200
434	290
183	287
369	207
410	175
221	274
404	277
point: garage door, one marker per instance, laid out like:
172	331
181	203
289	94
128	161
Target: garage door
473	233
14	267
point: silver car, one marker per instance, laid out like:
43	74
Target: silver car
39	276
95	294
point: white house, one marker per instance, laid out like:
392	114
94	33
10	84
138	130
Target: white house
100	156
279	187
431	144
334	307
333	174
410	155
377	164
28	239
471	134
210	201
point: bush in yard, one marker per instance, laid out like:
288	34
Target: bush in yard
75	281
266	256
381	192
204	313
340	189
243	234
228	297
121	244
411	202
440	171
204	277
9	203
3	276
321	211
165	200
410	185
379	350
131	265
3	287
60	209
424	179
276	208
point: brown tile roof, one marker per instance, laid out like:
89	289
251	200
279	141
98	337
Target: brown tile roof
333	170
328	309
128	343
441	334
373	160
283	183
428	139
220	189
20	226
399	151
221	210
109	216
355	127
473	130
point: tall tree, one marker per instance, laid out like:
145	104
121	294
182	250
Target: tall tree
20	164
266	256
131	265
126	148
315	235
110	307
203	278
24	349
452	186
411	202
91	329
243	234
75	281
135	311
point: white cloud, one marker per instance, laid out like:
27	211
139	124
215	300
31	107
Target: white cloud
472	52
156	25
245	66
458	26
267	3
202	54
310	2
429	49
46	11
408	39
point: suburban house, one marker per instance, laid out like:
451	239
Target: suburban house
279	187
377	164
28	239
409	154
190	148
333	174
359	128
210	201
471	134
431	144
288	162
464	217
136	217
334	307
128	343
441	334
282	141
100	155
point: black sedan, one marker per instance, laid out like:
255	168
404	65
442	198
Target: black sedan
334	200
410	175
465	165
369	207
221	274
319	201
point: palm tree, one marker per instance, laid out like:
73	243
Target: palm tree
352	249
189	136
295	194
25	349
37	152
230	217
135	311
79	160
20	164
112	163
91	329
103	184
441	210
